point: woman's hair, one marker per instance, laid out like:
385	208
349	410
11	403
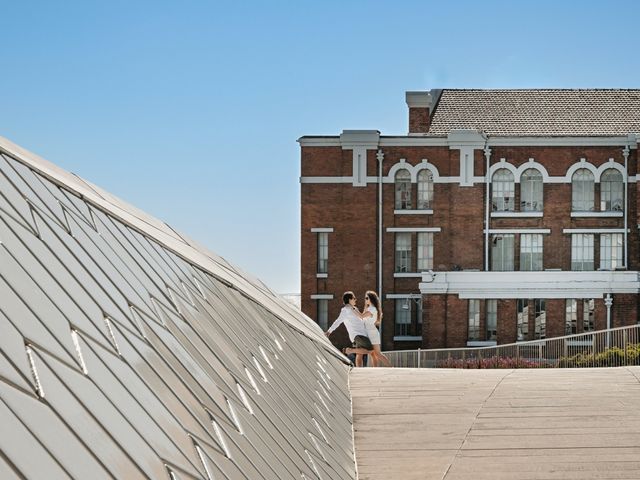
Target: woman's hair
347	296
375	301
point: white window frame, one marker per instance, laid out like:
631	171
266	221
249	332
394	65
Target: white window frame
503	191
531	191
425	190
323	313
424	251
502	252
473	320
323	252
531	252
611	251
582	191
403	252
611	191
582	252
403	189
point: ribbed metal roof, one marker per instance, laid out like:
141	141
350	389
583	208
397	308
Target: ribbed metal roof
539	112
128	351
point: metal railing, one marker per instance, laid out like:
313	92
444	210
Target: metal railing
604	348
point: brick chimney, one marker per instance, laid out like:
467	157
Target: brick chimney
420	108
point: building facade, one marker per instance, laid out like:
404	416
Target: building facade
503	216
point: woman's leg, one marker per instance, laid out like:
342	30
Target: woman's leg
381	358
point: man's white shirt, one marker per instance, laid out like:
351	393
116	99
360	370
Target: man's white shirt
355	326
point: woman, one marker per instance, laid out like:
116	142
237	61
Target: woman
372	317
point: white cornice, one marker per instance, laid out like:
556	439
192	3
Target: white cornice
413	229
350	139
613	141
319	141
593	230
419	99
558	284
519	230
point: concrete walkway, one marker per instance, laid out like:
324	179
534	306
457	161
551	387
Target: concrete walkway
497	424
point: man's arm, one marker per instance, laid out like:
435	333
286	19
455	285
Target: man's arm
336	323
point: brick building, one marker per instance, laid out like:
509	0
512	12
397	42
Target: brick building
503	215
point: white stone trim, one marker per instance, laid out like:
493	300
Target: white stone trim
326	179
606	214
593	230
413	212
545	284
518	230
322	230
517	141
503	164
414	140
322	275
368	139
414	229
579	165
407	275
516	214
407	338
402	296
536	166
322	296
419	99
319	141
481	343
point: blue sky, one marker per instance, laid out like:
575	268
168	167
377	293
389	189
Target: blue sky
191	110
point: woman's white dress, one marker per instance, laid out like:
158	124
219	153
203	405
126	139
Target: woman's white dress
369	323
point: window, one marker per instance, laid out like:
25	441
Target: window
582	251
531	251
502	191
403	190
540	320
323	252
531	191
425	251
474	320
403	252
611	191
571	316
611	251
408	318
588	309
492	319
425	189
502	252
522	312
323	314
582	188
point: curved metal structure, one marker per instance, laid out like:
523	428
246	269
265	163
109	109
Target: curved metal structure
128	351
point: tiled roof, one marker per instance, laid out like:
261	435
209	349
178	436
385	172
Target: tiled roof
539	112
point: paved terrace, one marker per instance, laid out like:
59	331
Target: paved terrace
497	424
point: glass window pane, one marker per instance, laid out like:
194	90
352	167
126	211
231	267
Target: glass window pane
582	191
323	314
502	253
323	252
403	317
492	319
611	191
425	189
582	251
425	251
403	190
588	310
522	319
611	251
571	316
531	193
502	191
540	319
403	252
531	252
474	320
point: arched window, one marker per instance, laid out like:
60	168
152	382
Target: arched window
425	189
611	191
582	184
531	191
502	191
403	190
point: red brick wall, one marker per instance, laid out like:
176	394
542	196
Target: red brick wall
419	120
460	213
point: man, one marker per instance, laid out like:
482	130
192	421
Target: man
350	316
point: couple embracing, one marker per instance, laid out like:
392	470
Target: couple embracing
362	328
